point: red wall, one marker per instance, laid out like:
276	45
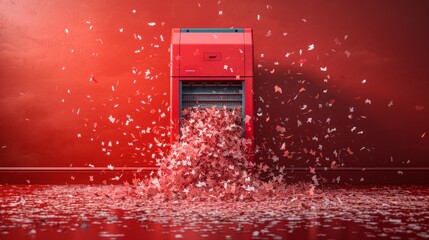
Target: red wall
56	92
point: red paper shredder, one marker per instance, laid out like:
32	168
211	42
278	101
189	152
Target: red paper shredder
211	67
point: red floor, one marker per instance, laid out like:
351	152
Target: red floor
115	212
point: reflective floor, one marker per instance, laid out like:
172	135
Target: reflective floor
116	212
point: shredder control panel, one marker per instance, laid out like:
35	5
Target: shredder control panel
211	52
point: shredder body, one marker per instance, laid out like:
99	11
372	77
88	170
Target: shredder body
211	67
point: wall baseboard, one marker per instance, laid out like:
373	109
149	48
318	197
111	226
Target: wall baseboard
74	169
91	169
119	175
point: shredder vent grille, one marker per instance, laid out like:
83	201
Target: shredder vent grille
211	93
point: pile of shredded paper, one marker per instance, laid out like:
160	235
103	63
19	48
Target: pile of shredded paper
210	162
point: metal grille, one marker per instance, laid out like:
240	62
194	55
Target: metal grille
211	93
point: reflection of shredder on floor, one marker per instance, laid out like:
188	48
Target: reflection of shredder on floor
211	67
